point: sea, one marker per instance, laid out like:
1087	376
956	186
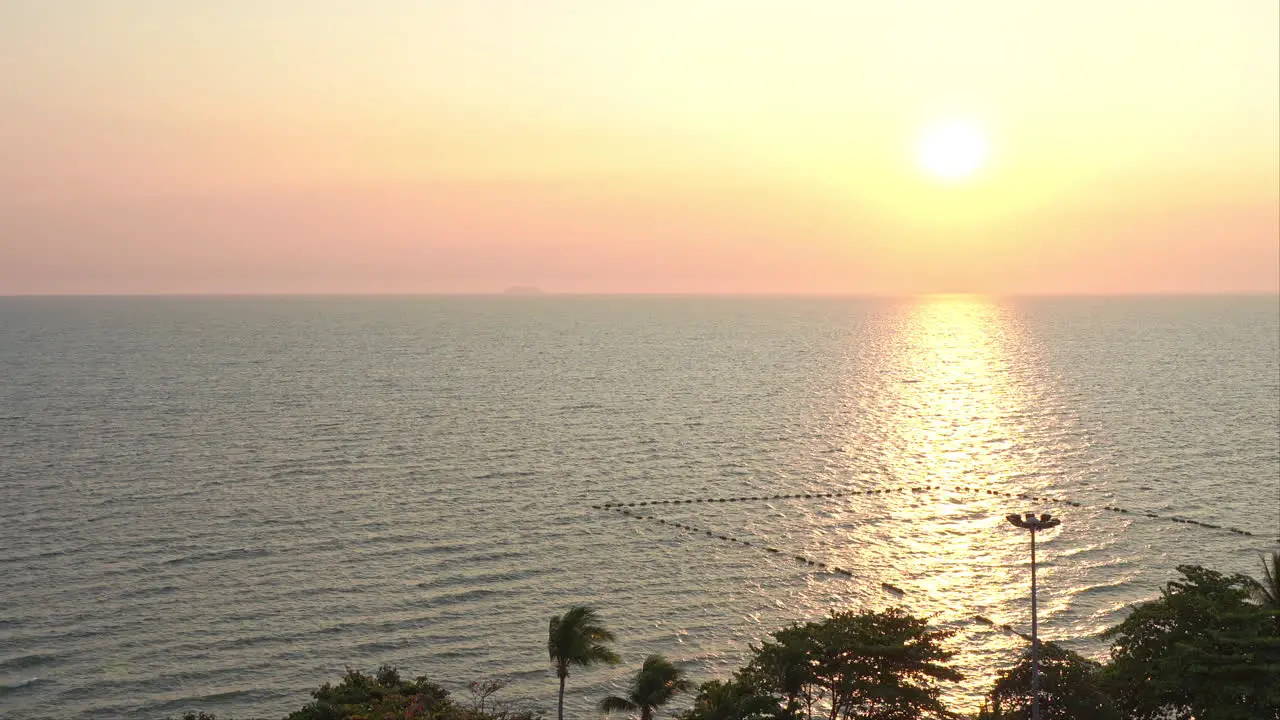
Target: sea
219	503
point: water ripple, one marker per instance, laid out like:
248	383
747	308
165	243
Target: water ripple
219	504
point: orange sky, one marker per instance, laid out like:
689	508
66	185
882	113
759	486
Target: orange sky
405	146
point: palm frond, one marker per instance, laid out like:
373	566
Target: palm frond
657	682
1271	579
613	703
602	653
578	638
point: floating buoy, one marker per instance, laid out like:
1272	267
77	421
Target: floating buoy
622	507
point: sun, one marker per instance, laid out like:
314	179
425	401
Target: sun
953	150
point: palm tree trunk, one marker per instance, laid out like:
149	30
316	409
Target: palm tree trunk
646	712
561	706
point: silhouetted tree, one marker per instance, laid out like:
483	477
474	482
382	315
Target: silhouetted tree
737	699
654	686
1202	649
1269	587
870	665
578	638
1069	689
375	696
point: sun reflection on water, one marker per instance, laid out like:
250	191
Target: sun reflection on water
953	397
957	401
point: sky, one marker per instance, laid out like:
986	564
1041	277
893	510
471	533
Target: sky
611	146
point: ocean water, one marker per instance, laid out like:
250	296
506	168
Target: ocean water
219	504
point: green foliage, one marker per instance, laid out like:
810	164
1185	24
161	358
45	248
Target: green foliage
375	696
872	665
204	716
737	699
1202	649
1069	689
1269	587
578	638
1268	592
654	686
387	696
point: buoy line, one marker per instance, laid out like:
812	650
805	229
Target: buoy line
803	560
922	489
894	590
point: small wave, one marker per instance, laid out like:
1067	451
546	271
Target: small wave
1103	590
581	406
186	703
26	661
13	687
380	646
46	555
233	554
505	474
146	592
447	581
537	674
292	472
458	597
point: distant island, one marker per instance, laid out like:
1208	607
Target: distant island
522	290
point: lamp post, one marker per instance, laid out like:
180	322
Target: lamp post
1032	523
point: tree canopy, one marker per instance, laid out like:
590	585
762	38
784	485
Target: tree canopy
386	696
737	699
1070	689
873	665
1203	650
657	682
578	638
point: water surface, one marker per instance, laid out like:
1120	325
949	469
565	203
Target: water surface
220	503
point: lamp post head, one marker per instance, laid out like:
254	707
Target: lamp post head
1031	522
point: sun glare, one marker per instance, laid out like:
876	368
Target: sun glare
953	150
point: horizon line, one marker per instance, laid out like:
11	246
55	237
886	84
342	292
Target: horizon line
652	294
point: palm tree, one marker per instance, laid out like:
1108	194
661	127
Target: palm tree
1271	580
656	683
578	638
1269	588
